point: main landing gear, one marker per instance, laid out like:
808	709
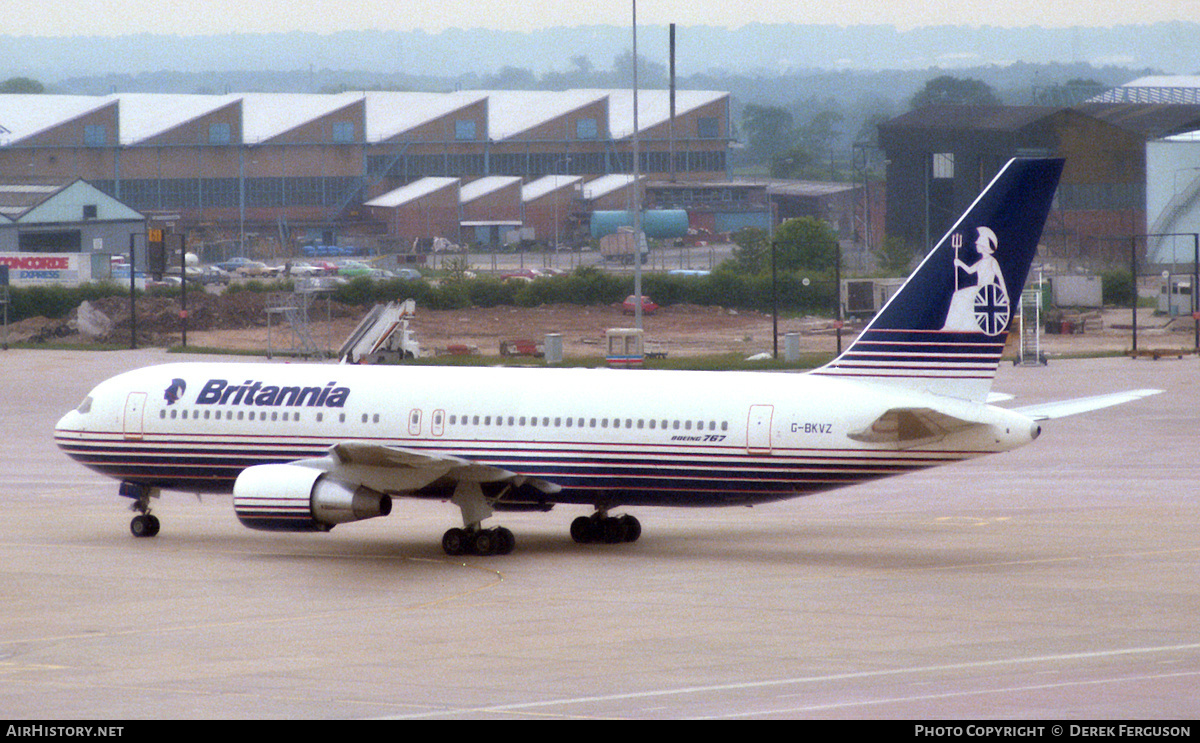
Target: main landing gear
145	524
472	539
600	528
498	541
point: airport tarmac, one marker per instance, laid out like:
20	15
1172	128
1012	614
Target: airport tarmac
1058	581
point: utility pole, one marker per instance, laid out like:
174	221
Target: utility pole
637	195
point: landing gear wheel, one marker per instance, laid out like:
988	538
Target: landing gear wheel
455	542
144	525
633	528
481	542
506	542
606	529
581	530
484	542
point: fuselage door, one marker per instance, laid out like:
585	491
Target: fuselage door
135	412
758	429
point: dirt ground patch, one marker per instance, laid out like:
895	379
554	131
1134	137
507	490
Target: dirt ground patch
686	330
240	321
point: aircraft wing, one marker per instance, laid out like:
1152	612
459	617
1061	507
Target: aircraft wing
908	427
1064	408
396	469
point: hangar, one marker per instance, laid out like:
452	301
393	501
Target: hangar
941	157
293	162
65	232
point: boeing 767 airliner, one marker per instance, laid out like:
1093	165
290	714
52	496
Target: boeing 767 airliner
305	447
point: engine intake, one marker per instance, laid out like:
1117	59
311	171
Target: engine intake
288	497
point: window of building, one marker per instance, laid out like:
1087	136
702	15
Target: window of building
943	165
587	129
221	133
343	132
464	130
95	135
708	127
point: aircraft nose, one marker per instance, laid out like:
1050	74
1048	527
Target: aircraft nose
67	422
71	423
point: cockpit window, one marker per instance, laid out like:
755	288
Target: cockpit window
85	406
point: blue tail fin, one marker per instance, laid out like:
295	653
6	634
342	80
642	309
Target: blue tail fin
944	330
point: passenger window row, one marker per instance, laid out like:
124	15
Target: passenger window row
243	415
512	421
571	422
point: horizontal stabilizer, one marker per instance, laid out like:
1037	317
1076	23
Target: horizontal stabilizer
1064	408
908	427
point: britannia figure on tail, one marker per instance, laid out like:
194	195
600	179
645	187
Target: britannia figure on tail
982	306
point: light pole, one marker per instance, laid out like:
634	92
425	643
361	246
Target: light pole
566	161
637	196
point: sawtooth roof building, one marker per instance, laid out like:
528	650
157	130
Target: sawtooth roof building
312	161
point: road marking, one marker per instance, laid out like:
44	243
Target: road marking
776	683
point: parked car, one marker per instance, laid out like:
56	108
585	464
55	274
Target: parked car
253	268
164	282
233	264
354	269
629	306
207	275
300	268
522	274
408	274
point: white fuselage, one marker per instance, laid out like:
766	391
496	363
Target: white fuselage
604	436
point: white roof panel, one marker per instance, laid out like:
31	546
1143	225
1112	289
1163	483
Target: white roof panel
411	192
22	116
605	185
391	114
511	112
547	184
654	107
1165	81
146	115
268	115
484	186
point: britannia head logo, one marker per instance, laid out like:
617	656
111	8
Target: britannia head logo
175	391
980	303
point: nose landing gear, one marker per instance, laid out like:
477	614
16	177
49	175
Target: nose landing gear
145	524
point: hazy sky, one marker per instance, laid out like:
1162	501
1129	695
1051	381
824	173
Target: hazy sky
188	17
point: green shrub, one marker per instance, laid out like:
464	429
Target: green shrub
56	301
1118	288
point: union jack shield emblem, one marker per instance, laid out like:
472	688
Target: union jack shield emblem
991	309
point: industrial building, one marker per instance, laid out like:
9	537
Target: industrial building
303	167
941	157
63	232
1173	198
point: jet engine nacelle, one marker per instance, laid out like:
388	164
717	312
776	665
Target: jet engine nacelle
288	497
